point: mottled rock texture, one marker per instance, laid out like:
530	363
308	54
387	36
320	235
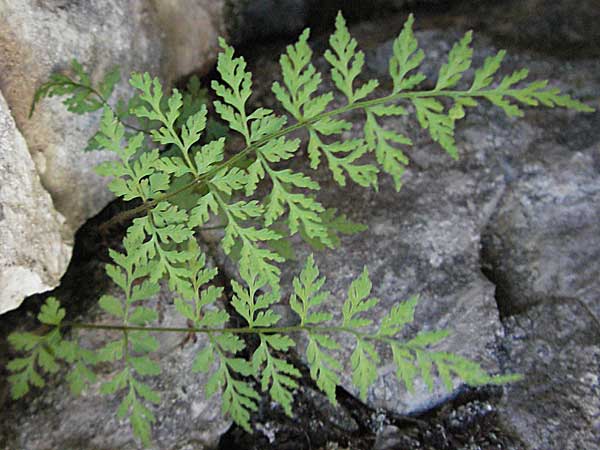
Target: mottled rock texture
520	206
34	252
542	249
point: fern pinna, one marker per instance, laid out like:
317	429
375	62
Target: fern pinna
165	157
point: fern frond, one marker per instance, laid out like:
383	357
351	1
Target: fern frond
183	179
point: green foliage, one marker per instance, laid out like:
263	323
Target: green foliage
170	157
44	349
81	95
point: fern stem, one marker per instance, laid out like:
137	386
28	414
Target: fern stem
204	178
238	330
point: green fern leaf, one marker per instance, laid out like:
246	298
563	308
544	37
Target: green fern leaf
51	313
307	294
364	362
483	75
406	56
347	63
357	302
459	61
399	316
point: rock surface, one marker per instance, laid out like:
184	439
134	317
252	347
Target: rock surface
190	30
557	405
40	38
185	418
542	250
34	253
422	241
566	26
529	188
169	39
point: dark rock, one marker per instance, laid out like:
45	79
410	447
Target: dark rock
249	20
568	27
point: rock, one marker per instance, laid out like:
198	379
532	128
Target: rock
422	241
169	39
34	252
190	29
565	26
388	438
185	418
249	20
542	251
542	244
557	405
38	39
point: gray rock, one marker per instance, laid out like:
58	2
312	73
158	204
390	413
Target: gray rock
427	238
565	26
423	240
388	438
34	252
543	241
55	419
39	38
542	251
557	405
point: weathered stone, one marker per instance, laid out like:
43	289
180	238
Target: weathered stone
423	240
186	419
37	39
543	243
34	252
542	251
557	405
190	29
169	39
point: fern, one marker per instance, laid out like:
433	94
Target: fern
179	172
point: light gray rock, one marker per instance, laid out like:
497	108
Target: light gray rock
169	39
39	38
34	253
186	419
